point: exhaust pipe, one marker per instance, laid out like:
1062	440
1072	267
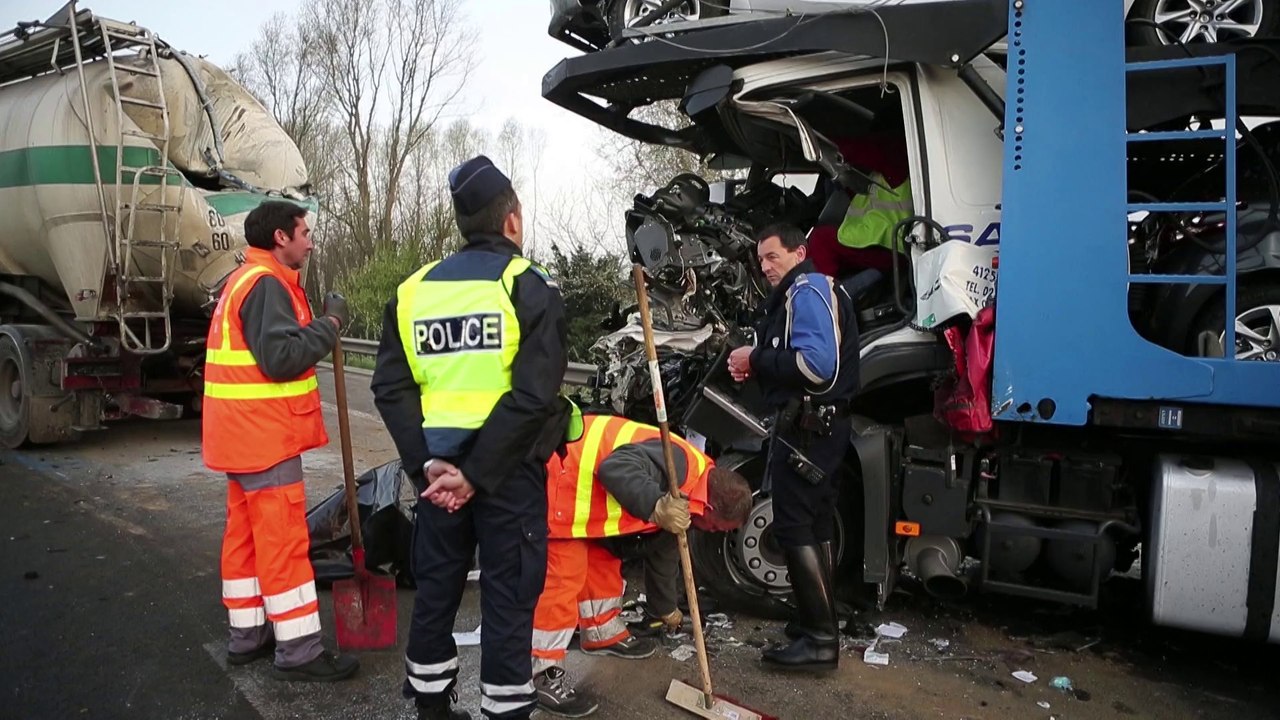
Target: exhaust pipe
935	560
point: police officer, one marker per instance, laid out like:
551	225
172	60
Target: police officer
806	363
467	381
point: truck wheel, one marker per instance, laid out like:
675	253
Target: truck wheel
15	395
1257	323
744	569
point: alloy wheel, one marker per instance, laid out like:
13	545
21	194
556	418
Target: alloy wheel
1208	20
1258	333
634	10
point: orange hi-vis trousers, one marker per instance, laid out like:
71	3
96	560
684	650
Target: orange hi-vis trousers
583	589
266	570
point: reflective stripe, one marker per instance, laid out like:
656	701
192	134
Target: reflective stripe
514	697
241	588
613	510
229	358
556	641
293	599
596	608
298	627
429	687
260	391
586	477
434	669
497	707
248	617
605	634
249	274
506	690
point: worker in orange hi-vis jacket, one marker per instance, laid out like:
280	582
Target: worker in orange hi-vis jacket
607	487
261	412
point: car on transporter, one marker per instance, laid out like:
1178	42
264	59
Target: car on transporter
776	107
593	24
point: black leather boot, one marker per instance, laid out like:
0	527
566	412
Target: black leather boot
794	629
818	647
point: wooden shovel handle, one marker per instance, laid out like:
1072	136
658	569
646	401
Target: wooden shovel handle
344	432
660	406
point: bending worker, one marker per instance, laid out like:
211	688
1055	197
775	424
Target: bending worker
806	361
467	382
609	485
260	384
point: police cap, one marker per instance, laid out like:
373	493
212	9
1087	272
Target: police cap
475	183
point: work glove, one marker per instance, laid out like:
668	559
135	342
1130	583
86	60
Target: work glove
671	621
335	306
671	513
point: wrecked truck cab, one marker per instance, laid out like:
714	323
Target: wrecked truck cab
932	476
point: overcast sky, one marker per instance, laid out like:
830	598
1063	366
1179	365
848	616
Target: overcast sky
512	54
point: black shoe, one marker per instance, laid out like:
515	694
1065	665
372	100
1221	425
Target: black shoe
647	627
442	710
633	648
264	650
818	647
328	667
556	697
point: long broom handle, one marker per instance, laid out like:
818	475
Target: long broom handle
344	431
660	406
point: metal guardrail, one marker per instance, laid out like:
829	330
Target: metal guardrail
578	374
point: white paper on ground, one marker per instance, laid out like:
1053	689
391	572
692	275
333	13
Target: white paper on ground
871	657
473	576
892	630
465	639
1025	676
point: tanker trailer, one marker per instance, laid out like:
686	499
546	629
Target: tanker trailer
126	170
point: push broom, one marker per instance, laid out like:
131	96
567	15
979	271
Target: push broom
703	703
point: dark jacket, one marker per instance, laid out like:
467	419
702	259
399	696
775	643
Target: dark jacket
517	428
635	475
283	348
819	355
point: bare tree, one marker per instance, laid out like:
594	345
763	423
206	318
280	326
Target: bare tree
537	140
391	68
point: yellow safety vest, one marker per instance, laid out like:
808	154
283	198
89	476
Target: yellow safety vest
460	338
871	217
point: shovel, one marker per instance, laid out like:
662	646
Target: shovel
364	606
701	702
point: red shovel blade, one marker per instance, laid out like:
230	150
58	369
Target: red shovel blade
364	609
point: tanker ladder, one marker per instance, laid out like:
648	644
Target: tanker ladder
131	170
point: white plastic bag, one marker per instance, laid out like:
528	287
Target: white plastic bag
954	279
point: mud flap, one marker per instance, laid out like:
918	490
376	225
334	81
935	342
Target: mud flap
876	448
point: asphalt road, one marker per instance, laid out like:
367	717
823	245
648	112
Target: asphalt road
109	609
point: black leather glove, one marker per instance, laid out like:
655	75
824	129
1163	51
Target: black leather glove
335	306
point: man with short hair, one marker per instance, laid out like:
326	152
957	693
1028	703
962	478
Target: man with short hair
261	412
467	381
612	486
806	362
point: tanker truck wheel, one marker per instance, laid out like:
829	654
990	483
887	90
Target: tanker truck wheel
15	395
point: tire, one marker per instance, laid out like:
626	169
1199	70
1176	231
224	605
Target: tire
1265	12
1257	308
700	10
717	556
15	395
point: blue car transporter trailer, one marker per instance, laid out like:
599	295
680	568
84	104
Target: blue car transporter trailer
1067	357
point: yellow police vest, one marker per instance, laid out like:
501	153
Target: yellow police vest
872	216
460	338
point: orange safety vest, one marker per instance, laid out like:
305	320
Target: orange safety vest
251	422
578	506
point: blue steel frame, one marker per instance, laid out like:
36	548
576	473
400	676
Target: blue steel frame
1063	334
